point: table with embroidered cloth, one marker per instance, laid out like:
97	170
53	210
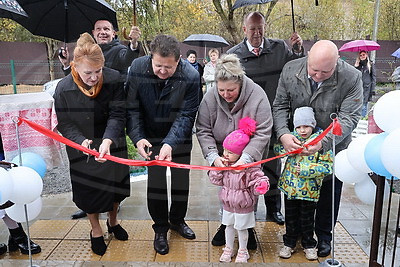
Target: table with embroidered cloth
38	108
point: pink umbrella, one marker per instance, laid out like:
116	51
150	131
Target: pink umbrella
360	45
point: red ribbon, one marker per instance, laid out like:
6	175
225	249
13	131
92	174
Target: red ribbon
132	162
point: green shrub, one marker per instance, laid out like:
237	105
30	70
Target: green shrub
133	154
132	151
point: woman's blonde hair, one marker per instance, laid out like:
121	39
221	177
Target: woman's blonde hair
357	63
86	48
228	68
213	50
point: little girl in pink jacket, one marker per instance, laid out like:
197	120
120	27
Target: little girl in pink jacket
238	191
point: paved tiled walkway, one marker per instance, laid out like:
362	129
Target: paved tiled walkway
66	242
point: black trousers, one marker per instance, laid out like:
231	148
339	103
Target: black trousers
323	217
157	194
272	169
299	221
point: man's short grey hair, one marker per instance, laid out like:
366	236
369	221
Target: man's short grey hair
228	68
165	46
253	14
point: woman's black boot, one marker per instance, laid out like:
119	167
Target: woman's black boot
19	240
99	247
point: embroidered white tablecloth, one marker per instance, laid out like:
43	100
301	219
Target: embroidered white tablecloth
38	108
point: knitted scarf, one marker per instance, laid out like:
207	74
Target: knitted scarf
93	91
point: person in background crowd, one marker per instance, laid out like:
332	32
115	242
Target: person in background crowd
90	108
263	59
330	86
396	77
209	68
367	68
163	98
117	56
192	59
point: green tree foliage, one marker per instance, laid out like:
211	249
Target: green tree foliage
178	17
389	20
332	19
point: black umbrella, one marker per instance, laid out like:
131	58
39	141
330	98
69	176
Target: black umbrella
11	9
242	3
65	20
206	40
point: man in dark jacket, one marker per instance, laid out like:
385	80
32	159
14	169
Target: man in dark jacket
328	85
163	98
117	56
263	60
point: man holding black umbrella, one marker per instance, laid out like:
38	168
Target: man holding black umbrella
117	55
263	60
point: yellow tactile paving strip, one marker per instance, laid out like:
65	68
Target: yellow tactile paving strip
69	240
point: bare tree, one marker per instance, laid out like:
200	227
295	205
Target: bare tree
232	19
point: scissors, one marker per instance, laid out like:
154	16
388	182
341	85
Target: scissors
147	151
88	156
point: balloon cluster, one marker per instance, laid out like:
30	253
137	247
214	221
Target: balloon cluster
378	153
23	185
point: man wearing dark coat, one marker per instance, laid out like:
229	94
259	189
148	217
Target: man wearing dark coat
162	101
263	60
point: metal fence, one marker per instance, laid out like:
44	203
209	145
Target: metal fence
29	72
40	72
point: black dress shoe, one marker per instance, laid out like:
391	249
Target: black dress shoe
19	240
78	214
251	242
118	231
324	248
184	230
3	248
276	217
219	237
98	245
161	243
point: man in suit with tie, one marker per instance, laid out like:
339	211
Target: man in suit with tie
263	60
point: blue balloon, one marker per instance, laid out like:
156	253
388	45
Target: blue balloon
372	154
33	161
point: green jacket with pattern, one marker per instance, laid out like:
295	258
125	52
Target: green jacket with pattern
306	184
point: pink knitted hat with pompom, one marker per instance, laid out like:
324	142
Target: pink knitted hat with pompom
237	140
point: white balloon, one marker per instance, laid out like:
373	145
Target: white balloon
17	211
6	186
345	172
387	111
27	185
390	153
366	191
355	152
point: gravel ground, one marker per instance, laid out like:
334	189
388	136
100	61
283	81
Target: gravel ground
57	180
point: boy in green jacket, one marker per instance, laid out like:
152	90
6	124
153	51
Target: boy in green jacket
300	182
